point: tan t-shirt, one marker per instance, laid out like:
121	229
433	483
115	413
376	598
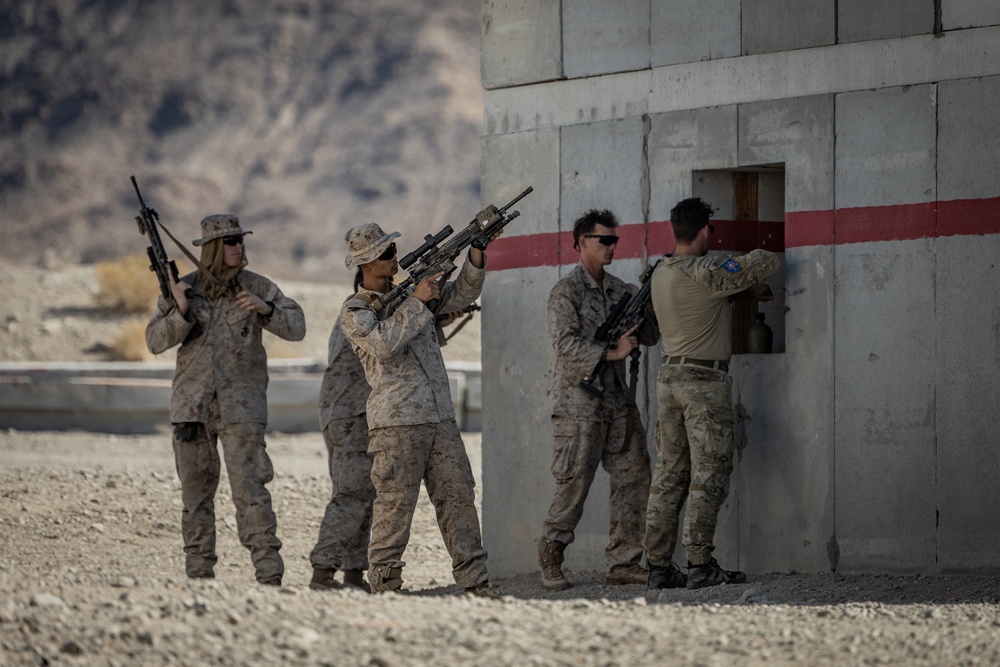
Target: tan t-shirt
690	296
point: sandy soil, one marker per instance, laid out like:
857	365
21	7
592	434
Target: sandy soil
91	572
91	568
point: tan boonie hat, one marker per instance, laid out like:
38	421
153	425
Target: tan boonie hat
365	243
217	226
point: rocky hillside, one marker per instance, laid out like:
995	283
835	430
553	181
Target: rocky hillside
303	117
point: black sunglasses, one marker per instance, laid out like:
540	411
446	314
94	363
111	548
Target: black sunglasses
605	239
232	240
389	253
711	229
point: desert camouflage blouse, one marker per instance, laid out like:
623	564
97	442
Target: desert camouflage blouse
226	358
402	356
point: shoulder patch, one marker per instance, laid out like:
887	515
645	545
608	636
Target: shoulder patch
731	265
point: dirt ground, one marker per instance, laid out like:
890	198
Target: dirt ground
91	567
91	573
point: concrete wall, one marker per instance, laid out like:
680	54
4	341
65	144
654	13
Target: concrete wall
865	444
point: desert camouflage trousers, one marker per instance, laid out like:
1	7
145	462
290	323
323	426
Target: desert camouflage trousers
249	469
435	454
694	442
347	521
578	448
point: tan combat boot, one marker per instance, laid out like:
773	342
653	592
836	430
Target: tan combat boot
356	579
322	579
550	557
385	578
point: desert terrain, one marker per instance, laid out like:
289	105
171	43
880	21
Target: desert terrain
91	568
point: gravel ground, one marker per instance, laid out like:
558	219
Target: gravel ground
91	573
91	568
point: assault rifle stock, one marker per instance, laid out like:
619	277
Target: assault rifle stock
630	311
158	261
438	252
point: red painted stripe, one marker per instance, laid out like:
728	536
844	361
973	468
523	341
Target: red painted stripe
903	222
965	217
804	228
968	217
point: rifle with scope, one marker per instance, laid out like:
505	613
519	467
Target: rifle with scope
159	263
438	252
630	312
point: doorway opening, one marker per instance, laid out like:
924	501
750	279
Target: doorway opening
749	205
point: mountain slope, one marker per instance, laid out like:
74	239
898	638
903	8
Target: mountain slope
302	117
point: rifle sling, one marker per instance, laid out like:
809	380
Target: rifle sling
201	267
631	409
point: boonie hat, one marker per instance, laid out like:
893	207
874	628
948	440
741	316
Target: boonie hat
365	243
217	226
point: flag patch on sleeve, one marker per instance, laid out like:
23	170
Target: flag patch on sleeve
731	265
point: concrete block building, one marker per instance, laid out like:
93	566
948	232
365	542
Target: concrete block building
858	138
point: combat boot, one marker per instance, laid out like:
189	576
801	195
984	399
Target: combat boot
356	579
665	576
550	558
385	578
625	575
710	574
323	580
483	590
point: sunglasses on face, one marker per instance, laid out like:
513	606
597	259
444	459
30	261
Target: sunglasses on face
232	240
604	239
389	253
711	229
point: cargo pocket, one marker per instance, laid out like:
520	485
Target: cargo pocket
565	436
388	472
265	469
719	420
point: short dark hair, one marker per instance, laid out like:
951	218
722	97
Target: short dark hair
586	223
688	218
359	277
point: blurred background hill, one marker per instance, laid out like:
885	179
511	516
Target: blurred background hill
303	117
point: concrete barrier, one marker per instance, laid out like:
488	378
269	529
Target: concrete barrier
127	397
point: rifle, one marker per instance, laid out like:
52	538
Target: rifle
159	263
437	255
468	311
630	311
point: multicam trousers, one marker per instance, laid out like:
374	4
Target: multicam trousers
435	454
249	469
695	446
579	447
347	522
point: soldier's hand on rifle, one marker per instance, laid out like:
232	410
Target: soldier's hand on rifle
179	290
429	288
626	344
476	255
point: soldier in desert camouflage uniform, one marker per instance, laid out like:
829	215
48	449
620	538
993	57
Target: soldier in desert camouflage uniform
591	430
220	394
690	294
413	436
347	521
343	534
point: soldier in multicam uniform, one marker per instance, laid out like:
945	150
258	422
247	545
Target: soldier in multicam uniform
591	430
690	294
220	394
343	534
413	433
